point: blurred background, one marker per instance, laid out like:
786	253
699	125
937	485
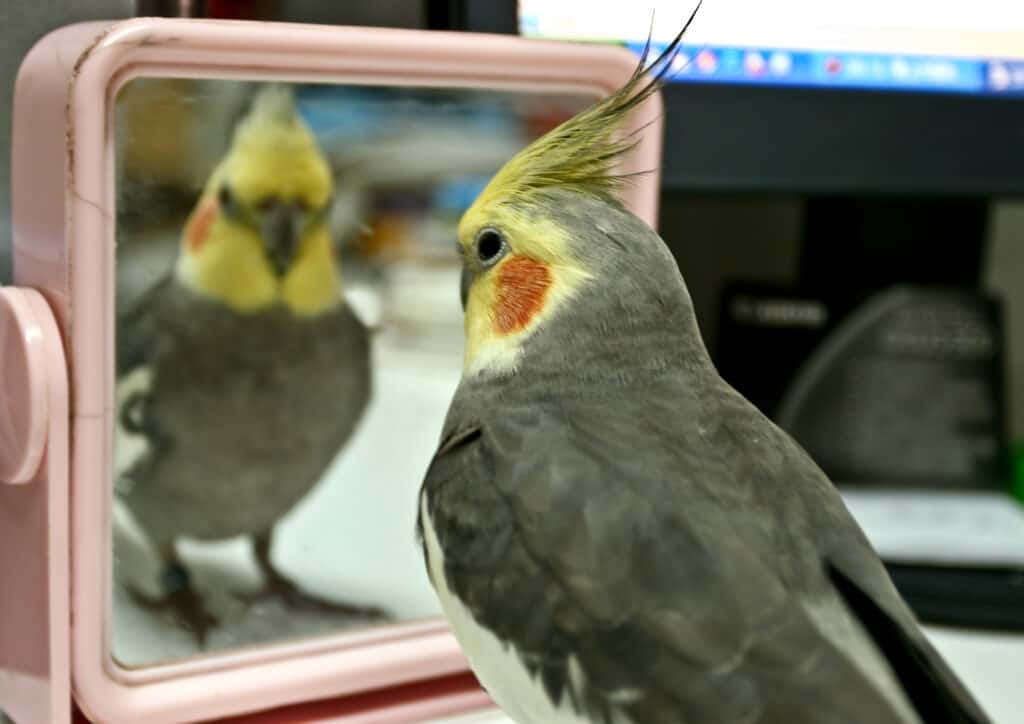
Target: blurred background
843	187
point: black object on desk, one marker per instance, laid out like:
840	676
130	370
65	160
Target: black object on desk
989	598
899	387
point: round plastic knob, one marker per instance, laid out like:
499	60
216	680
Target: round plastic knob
23	398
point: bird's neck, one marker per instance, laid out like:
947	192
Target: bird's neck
614	351
612	354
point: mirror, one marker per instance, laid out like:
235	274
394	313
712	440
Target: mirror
288	338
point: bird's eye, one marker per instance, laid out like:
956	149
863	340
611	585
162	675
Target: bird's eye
490	246
224	197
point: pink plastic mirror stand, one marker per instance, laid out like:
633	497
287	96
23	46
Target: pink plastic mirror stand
34	554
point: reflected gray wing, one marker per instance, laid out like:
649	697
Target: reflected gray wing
136	326
683	583
136	339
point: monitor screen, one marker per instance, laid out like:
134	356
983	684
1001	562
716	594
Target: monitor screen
908	45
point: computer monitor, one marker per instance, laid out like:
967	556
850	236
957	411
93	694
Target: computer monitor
901	96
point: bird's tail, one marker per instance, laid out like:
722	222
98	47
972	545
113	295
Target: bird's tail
932	688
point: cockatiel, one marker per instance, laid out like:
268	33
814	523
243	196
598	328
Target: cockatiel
614	533
251	369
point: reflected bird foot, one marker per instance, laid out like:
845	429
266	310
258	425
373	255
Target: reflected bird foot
279	587
183	600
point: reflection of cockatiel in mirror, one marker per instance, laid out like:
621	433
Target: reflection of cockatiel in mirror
614	533
245	371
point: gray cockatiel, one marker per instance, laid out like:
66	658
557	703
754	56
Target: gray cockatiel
244	372
614	533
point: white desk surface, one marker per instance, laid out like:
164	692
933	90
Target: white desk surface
991	666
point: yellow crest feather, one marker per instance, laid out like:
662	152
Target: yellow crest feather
581	154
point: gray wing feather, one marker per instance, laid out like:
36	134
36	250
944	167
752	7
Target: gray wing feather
137	327
686	582
135	340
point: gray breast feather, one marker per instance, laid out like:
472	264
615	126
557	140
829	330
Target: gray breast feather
242	414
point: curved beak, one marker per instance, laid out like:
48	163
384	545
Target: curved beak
281	227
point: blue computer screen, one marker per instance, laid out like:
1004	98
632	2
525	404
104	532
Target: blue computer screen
907	45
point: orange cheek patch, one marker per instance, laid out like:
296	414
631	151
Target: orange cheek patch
199	225
522	287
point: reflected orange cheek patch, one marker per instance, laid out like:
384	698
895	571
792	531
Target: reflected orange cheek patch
199	225
522	287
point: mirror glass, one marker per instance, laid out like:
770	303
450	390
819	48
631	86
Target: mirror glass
288	337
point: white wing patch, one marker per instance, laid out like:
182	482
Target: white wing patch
129	447
138	564
496	663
